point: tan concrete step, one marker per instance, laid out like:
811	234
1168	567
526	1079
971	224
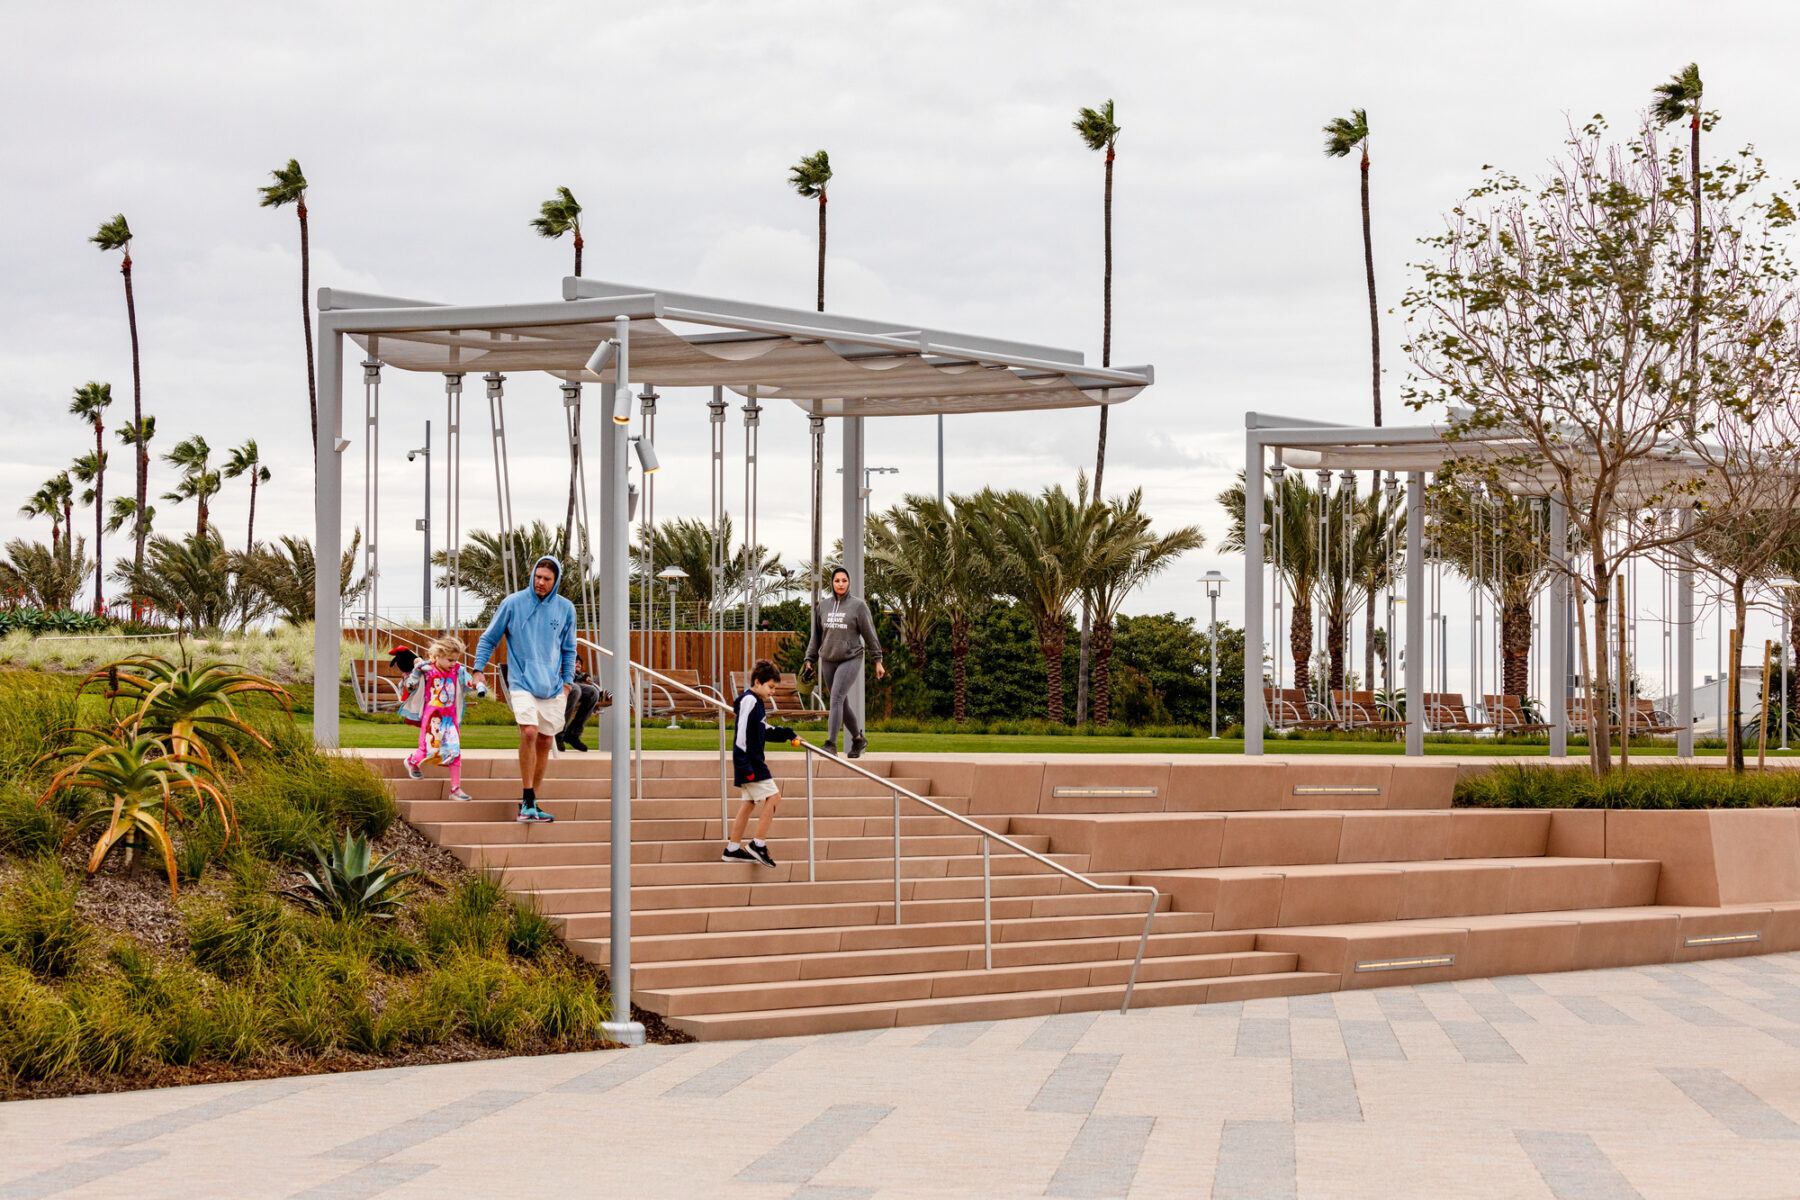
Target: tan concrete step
921	878
744	900
1355	893
935	1010
702	824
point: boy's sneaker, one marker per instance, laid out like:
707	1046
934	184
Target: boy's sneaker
761	854
741	854
857	746
459	794
412	769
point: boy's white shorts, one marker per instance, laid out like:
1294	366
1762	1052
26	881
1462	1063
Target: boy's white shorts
546	714
758	790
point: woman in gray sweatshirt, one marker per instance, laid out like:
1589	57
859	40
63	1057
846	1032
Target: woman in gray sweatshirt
841	631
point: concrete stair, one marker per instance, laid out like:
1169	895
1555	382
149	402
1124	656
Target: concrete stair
1274	879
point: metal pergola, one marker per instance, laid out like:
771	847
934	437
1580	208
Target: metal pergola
1414	452
826	364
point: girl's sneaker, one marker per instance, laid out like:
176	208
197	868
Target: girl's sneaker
412	769
459	794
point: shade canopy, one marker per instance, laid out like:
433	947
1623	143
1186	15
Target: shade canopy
827	364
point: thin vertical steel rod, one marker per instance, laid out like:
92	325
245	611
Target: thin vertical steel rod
896	796
1253	585
453	499
752	552
371	515
716	590
496	398
987	901
811	860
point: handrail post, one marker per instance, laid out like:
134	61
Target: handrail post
894	792
987	901
810	867
1143	943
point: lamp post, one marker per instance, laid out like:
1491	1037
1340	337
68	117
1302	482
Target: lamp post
424	523
674	575
869	485
1215	582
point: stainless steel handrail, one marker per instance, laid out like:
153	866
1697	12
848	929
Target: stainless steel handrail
989	836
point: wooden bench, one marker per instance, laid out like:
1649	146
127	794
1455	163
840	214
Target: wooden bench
1445	712
1509	715
1646	718
1290	708
786	700
1360	710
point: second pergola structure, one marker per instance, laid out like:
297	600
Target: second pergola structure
829	365
1412	453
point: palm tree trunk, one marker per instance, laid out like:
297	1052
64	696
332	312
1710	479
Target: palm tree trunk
312	386
99	513
1694	317
1334	645
1105	323
1515	647
578	252
959	668
1051	640
1369	640
250	532
821	251
137	414
1374	317
1300	640
1103	650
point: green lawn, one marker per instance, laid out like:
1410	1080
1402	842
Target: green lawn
501	737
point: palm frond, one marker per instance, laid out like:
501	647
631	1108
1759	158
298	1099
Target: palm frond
289	186
1344	134
810	175
114	234
1097	127
1679	98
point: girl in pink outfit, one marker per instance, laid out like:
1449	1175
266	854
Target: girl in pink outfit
434	697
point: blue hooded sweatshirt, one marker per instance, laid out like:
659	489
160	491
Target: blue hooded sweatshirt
540	638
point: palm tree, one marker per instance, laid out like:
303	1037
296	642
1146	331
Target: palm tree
809	177
1125	555
43	503
245	460
194	580
90	403
1045	544
284	576
290	188
199	484
116	235
44	576
909	550
1291	508
1342	135
1678	98
1497	541
123	511
90	469
968	578
59	493
687	543
559	215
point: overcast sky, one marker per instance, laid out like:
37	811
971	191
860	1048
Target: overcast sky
962	200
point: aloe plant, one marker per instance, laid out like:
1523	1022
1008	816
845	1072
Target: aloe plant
190	706
351	882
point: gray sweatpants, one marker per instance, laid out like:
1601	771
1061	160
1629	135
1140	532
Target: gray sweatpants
839	678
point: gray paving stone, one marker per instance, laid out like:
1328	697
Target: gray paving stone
1479	1042
1731	1103
1692	1011
56	1180
1076	1084
1256	1162
222	1104
951	1036
1059	1032
1227	1008
1317	1006
813	1191
1264	1037
1518	985
1595	1011
1500	1010
1371	1041
1573	1167
813	1147
627	1065
745	1065
1103	1159
1786	1010
1402	1005
1325	1090
850	1037
1679	981
366	1182
425	1127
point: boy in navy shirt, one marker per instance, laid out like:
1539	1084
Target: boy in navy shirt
752	772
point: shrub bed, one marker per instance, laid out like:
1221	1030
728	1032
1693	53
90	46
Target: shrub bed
1514	785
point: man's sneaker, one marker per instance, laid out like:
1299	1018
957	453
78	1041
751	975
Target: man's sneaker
561	742
530	812
741	854
574	743
857	746
412	769
761	854
459	794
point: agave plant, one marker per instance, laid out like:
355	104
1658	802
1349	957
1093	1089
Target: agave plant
350	883
141	781
182	702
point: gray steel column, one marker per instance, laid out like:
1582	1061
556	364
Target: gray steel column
1684	648
616	570
1558	699
328	535
853	534
1415	613
1253	594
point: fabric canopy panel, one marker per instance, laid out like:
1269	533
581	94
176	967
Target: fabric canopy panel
822	376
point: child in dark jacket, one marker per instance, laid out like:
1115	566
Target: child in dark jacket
751	770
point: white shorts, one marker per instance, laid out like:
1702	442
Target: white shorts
758	790
547	715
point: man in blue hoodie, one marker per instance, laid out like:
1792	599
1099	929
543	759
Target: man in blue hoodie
539	628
